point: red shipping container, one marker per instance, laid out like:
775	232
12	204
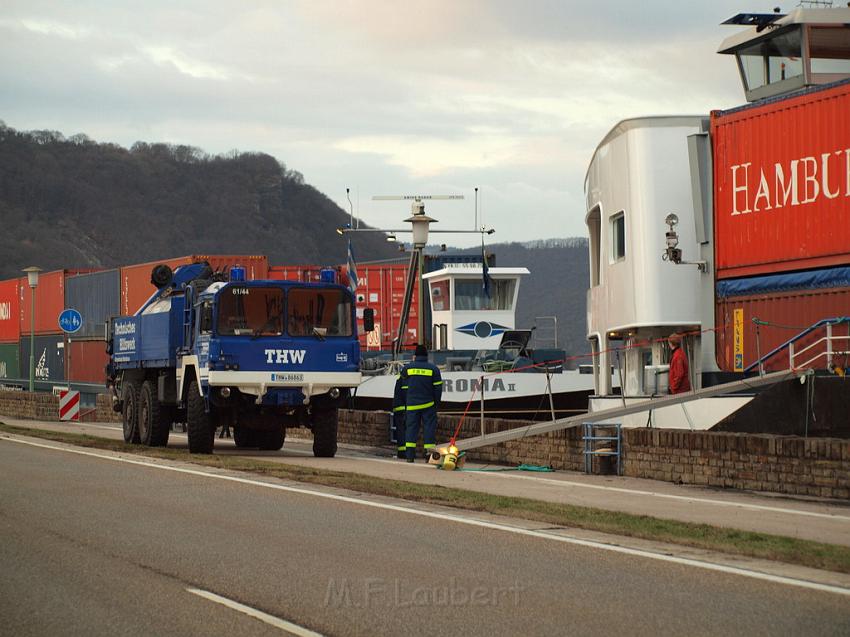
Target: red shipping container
10	311
86	361
782	184
303	273
49	301
136	286
382	287
787	314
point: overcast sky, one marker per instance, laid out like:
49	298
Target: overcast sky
385	97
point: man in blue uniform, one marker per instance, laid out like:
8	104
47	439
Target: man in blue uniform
399	411
424	388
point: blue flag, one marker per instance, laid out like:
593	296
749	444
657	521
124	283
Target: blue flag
485	271
352	270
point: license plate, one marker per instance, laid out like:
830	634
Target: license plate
287	378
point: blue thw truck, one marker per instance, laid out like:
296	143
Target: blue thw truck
216	351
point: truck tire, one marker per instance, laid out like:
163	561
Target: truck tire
130	412
271	440
198	423
154	419
324	432
243	437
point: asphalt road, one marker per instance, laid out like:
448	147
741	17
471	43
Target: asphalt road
93	546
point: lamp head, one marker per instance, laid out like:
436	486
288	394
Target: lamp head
32	275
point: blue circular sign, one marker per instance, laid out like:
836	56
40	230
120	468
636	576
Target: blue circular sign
70	321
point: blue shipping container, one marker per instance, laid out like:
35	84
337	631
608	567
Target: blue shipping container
96	296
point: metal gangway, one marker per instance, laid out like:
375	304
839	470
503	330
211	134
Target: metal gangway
801	362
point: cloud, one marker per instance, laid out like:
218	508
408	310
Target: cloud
382	96
164	55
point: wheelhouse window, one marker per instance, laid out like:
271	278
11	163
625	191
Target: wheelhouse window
594	228
318	312
469	295
618	237
829	49
772	60
244	310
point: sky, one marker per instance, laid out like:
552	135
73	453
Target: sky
430	97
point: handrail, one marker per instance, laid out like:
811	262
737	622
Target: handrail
794	339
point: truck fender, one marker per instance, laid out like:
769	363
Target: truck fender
185	373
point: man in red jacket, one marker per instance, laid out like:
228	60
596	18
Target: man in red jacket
679	379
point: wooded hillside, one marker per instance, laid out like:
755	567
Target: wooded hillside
72	202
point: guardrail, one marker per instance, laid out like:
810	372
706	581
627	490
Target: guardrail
828	341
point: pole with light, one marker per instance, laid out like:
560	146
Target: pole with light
420	228
32	279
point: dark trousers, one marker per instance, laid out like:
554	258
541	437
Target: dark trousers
399	431
428	418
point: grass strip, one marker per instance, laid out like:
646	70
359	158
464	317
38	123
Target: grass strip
731	541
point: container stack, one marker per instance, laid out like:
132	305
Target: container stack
10	330
782	237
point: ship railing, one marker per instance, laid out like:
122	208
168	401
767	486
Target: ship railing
821	348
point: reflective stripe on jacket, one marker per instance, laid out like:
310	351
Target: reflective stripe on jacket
399	395
424	384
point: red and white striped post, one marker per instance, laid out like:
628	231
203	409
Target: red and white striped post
69	405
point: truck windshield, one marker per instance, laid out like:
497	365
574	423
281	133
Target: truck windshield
244	310
318	312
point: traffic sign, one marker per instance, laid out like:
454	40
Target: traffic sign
70	320
69	404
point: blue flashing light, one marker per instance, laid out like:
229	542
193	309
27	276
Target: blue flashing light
237	273
327	275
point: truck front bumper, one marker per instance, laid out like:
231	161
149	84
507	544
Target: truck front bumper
258	383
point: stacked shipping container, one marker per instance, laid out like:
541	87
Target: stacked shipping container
782	205
10	329
136	286
381	287
97	295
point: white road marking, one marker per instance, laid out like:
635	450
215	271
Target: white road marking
582	485
444	516
271	620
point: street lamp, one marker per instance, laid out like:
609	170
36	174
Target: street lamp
32	279
420	228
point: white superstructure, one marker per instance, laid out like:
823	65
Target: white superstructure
464	316
640	173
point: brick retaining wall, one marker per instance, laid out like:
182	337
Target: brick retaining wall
44	406
782	464
763	462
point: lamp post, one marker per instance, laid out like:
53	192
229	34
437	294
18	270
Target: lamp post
32	279
419	228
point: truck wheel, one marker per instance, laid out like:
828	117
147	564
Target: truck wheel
130	413
243	437
154	419
271	440
324	432
200	429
